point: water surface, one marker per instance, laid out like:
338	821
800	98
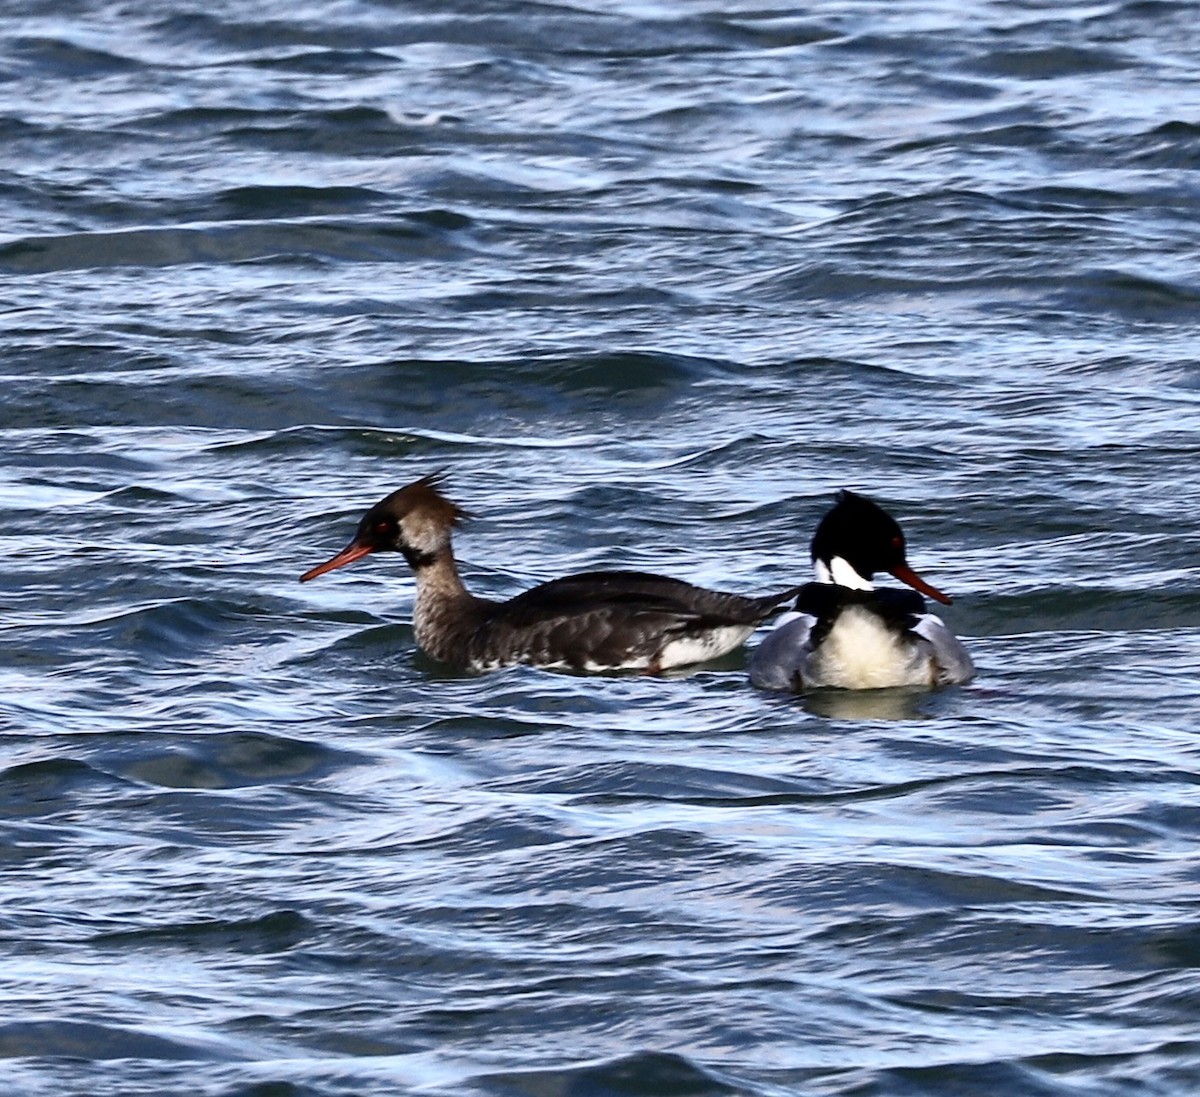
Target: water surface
652	281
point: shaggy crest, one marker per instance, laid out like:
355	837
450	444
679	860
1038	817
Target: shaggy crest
426	494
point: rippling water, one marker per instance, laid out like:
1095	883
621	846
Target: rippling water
652	281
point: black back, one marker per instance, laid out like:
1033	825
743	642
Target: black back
604	617
898	609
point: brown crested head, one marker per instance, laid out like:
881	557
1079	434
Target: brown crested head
424	495
415	520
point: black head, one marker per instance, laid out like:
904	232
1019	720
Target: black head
861	535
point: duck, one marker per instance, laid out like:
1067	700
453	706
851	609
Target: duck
843	632
593	622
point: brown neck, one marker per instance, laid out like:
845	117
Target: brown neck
446	613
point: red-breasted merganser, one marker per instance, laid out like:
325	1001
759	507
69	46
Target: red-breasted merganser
596	621
846	634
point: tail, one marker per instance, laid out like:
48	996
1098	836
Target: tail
769	604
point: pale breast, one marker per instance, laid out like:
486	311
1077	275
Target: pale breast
862	652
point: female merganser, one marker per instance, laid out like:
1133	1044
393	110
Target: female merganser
597	621
846	634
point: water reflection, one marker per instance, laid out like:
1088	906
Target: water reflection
867	704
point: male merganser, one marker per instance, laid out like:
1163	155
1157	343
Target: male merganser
846	634
596	621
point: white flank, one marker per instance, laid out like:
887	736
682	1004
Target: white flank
677	653
699	649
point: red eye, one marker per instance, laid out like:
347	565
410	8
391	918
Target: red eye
383	527
898	542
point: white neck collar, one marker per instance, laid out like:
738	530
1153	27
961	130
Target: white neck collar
839	571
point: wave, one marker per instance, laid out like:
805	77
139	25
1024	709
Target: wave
90	1041
641	1074
321	240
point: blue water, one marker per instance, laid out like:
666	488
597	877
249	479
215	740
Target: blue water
651	281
